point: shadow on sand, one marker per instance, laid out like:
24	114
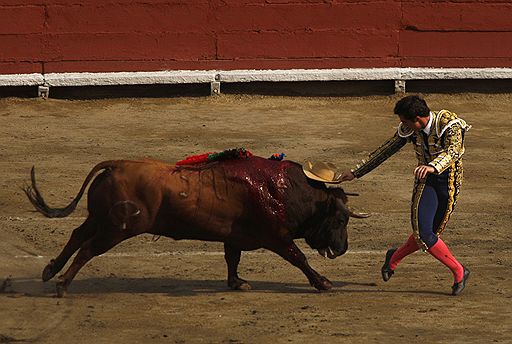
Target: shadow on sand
180	287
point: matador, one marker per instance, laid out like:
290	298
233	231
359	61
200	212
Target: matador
438	141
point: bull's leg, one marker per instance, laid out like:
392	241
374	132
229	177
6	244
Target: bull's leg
95	246
289	251
82	233
232	256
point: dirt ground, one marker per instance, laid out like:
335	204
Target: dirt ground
165	291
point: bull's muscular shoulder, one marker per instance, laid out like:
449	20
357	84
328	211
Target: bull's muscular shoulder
303	196
286	188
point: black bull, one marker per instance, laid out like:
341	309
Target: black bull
246	203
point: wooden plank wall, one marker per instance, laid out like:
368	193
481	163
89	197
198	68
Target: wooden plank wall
43	36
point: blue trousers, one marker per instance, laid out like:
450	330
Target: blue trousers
434	199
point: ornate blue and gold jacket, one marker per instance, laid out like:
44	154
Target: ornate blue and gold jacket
441	149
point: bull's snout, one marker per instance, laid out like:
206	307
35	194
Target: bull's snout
332	253
343	249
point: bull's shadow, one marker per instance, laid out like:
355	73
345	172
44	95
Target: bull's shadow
31	287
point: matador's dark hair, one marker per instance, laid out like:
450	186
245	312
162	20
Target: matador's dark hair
412	106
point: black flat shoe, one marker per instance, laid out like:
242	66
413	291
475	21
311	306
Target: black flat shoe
457	288
386	270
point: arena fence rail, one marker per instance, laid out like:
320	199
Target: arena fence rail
216	77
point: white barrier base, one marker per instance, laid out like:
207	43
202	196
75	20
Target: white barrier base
217	77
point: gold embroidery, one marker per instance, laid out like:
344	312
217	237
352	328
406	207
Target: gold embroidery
380	155
454	183
419	186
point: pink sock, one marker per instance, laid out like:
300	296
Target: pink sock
443	254
406	249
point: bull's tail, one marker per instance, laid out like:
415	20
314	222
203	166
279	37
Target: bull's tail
39	203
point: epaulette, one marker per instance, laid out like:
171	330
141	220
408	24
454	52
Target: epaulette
445	119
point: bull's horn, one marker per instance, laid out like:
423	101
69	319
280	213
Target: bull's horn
351	212
359	215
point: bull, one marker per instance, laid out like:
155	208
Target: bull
247	204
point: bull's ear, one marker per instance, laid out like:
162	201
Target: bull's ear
339	193
336	189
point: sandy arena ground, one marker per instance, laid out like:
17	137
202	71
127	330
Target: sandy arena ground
165	291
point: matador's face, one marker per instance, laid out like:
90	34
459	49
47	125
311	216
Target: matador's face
415	124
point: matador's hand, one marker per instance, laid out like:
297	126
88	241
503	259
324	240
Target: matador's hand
422	171
345	176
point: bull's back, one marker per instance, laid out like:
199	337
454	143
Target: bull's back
208	202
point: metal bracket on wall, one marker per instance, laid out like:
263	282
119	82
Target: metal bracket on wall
215	86
399	86
43	92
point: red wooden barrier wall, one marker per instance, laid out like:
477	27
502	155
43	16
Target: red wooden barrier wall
43	36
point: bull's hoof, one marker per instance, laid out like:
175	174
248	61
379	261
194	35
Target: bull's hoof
323	284
239	284
49	271
61	288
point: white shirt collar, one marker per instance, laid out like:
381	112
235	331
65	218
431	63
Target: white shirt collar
428	128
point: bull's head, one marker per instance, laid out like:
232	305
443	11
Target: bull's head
330	236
